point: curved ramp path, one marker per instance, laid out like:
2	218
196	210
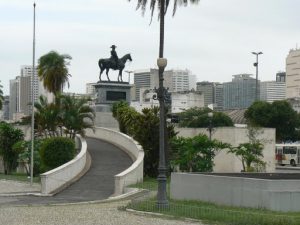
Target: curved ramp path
96	184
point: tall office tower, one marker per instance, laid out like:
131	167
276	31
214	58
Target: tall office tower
219	97
208	90
271	91
280	76
293	74
21	93
240	92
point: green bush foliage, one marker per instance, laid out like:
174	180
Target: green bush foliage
8	137
56	151
23	148
198	117
195	154
144	128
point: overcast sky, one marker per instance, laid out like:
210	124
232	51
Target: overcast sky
213	39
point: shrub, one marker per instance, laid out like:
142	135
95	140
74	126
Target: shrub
23	148
8	137
56	151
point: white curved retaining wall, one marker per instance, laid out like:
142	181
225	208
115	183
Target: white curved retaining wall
134	173
56	178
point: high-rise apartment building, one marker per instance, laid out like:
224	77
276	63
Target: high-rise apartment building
293	74
240	92
21	93
271	91
182	80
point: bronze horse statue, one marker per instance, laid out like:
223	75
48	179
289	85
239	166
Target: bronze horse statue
106	64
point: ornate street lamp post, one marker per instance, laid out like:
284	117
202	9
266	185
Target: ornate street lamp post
256	65
162	201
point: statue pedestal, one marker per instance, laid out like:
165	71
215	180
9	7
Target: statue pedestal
108	92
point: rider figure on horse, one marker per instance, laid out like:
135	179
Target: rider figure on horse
114	56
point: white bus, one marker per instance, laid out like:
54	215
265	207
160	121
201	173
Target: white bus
287	154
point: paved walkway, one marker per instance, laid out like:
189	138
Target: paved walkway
96	184
82	214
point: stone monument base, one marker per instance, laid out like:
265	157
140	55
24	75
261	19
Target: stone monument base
109	92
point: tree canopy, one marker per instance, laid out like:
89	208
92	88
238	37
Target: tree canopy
53	71
198	117
144	128
141	4
279	115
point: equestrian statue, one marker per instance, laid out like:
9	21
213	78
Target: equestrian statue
114	63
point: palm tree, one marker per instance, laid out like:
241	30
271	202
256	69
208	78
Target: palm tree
162	7
76	115
1	97
52	69
48	117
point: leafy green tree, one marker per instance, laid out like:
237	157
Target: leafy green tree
195	154
251	152
279	115
1	97
76	115
8	137
24	155
198	117
144	128
53	71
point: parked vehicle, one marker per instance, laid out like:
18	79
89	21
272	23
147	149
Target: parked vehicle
287	154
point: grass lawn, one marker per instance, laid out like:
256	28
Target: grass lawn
18	177
212	213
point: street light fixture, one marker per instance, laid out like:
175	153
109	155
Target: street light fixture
256	65
129	72
210	126
162	201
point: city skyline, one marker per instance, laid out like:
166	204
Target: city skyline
213	39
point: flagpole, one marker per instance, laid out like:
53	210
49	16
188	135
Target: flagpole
32	98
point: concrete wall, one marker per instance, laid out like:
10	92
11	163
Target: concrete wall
60	176
225	162
134	173
278	195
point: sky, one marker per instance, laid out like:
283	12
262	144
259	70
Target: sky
213	39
